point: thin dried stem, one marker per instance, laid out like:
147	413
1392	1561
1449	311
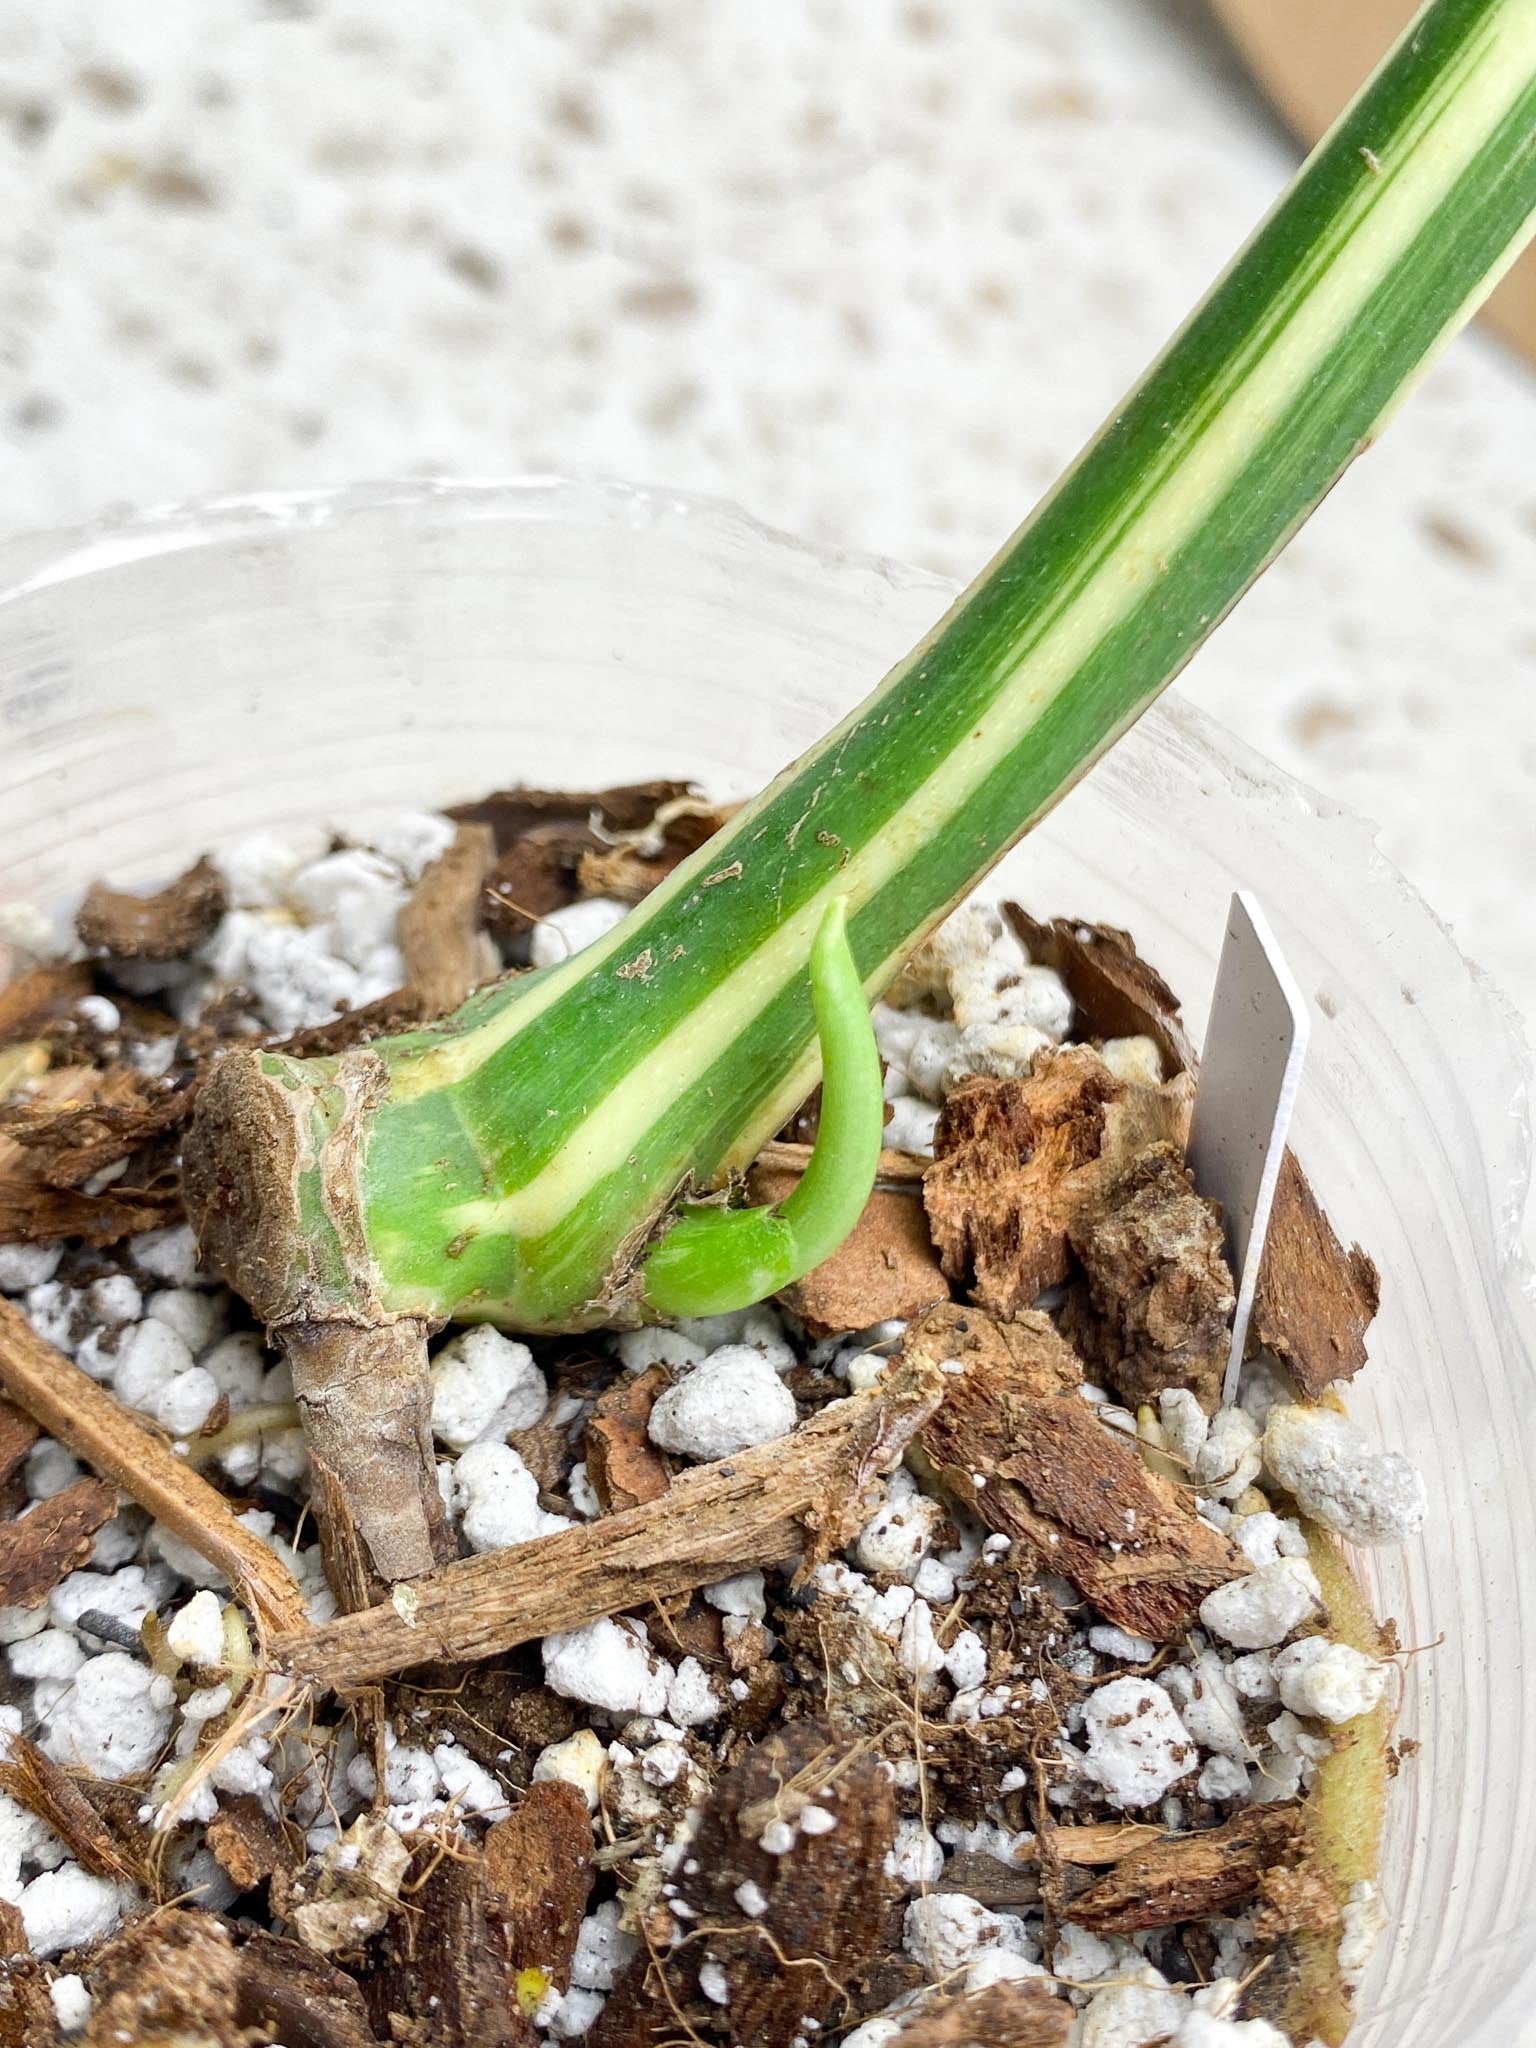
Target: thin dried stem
114	1442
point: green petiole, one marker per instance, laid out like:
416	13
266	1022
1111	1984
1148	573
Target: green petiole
515	1163
713	1260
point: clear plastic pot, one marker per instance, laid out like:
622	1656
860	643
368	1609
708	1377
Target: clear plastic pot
177	681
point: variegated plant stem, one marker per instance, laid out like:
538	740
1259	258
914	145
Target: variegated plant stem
510	1164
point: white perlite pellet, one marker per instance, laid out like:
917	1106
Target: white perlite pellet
731	1402
1137	1745
1340	1478
1261	1610
484	1384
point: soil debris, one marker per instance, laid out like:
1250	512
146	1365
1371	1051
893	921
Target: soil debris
553	846
165	926
89	1154
37	1002
344	1894
793	1956
64	1800
247	1842
1006	2015
1315	1301
443	1974
126	1451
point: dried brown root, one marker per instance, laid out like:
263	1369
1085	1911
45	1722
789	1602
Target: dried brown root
365	1397
115	1443
805	1493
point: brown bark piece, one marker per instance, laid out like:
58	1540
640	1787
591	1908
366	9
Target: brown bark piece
542	837
1116	994
823	1919
75	1122
18	1433
443	1974
886	1267
42	998
42	1547
1315	1301
36	1782
806	1494
1002	1192
287	1993
540	1862
1027	1354
624	1466
1155	1306
247	1842
167	1982
26	2008
446	952
165	926
1006	2015
1148	1573
1191	1877
110	1438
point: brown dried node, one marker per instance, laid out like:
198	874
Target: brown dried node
823	1899
165	926
1191	1877
1153	1307
1015	1440
886	1267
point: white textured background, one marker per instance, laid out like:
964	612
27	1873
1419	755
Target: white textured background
872	269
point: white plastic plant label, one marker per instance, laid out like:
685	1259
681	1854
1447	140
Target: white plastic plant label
1250	1074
